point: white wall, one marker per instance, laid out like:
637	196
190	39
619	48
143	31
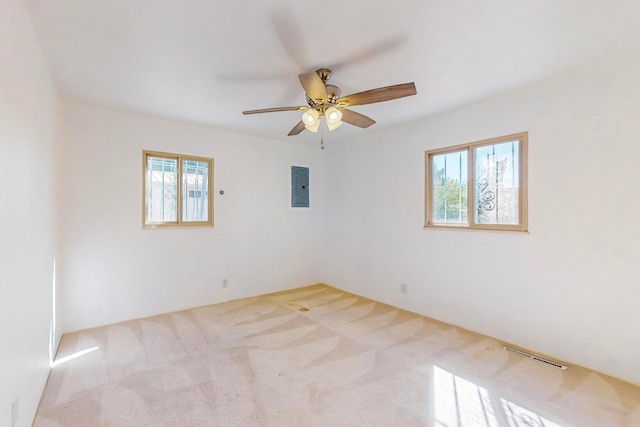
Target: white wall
570	288
114	270
28	229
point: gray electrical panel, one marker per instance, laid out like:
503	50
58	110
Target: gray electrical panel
299	187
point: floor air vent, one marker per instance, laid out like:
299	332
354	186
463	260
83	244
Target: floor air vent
534	357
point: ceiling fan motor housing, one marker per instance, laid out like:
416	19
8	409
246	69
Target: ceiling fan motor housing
333	93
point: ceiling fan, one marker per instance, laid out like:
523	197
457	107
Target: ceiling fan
324	100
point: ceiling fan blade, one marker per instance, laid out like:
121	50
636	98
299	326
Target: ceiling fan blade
291	37
356	119
253	77
369	53
297	128
314	87
273	110
380	94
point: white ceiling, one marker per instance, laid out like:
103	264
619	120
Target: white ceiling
205	61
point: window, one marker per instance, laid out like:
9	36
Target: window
176	190
489	176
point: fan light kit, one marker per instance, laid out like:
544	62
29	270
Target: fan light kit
324	101
311	119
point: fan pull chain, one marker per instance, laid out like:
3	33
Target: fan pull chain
322	138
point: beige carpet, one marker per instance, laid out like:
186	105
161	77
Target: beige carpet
315	356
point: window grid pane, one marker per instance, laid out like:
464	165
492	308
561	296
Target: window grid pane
195	191
449	191
162	178
497	189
